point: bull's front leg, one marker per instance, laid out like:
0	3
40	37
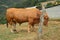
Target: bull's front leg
33	28
30	22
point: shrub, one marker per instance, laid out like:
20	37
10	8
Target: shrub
2	20
2	15
39	6
58	2
49	5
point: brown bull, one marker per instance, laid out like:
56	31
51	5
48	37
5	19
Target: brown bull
21	15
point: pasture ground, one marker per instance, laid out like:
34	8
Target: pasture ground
52	32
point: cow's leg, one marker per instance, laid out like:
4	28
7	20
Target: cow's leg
33	27
13	30
30	24
29	27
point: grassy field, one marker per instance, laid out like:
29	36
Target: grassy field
52	32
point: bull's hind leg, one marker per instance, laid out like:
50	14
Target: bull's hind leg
13	30
29	27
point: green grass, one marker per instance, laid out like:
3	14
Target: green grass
52	32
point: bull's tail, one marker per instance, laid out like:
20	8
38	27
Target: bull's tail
7	24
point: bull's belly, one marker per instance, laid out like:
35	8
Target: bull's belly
21	20
25	19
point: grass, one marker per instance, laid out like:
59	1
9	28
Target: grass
54	19
52	32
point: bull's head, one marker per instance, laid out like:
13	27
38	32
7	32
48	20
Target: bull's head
46	19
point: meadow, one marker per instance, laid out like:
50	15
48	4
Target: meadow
52	32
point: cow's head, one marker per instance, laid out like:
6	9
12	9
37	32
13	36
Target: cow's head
46	19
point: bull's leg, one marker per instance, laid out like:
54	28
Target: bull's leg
33	28
30	24
13	30
29	27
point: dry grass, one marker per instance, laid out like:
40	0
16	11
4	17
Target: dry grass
52	32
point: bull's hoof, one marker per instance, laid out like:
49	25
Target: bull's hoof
14	31
32	30
28	31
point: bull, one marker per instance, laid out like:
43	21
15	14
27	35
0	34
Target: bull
21	15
